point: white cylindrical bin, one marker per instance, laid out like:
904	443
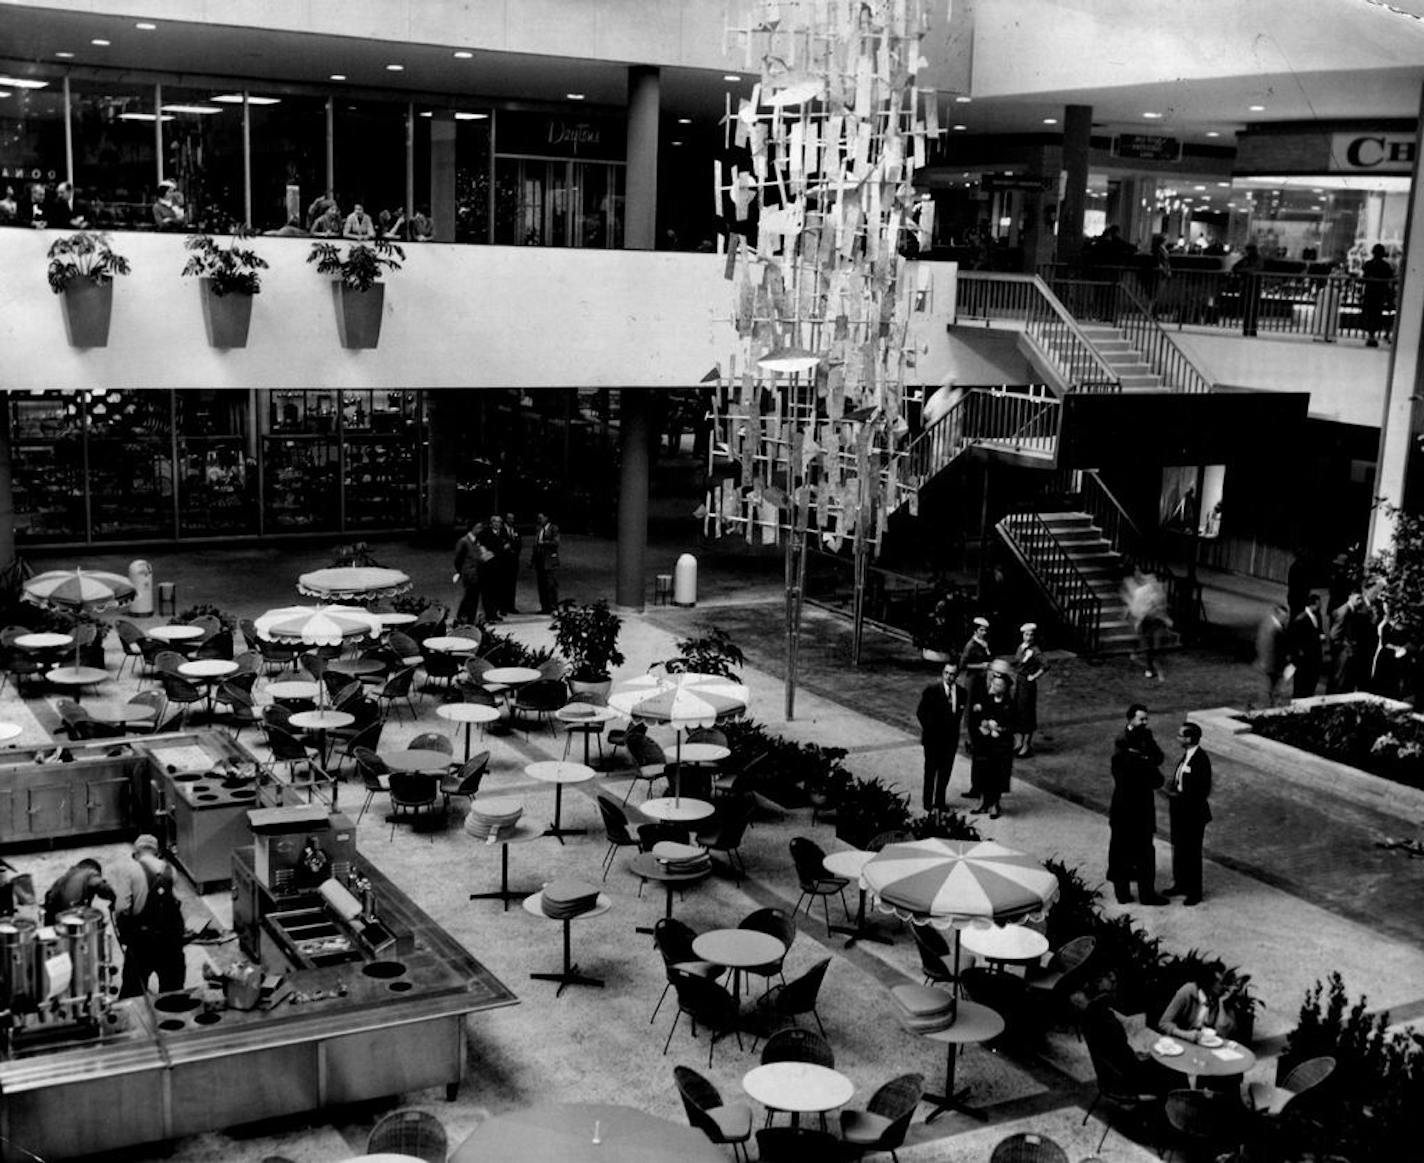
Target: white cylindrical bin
684	581
141	578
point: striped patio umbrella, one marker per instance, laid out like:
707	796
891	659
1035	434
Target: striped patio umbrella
680	701
952	884
343	583
78	590
317	625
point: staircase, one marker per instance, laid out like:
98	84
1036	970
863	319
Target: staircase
1101	567
1133	372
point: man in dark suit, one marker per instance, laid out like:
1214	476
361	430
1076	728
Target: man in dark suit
941	707
1132	816
1306	647
1188	791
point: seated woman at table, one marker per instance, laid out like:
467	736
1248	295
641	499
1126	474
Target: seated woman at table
1197	1007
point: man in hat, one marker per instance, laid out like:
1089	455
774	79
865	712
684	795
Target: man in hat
939	712
149	922
78	887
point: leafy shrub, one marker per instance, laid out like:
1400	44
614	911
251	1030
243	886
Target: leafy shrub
358	553
412	603
943	826
502	650
712	651
83	257
208	610
231	269
1361	733
363	264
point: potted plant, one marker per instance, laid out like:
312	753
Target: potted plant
359	294
82	268
712	651
228	277
866	807
940	633
587	636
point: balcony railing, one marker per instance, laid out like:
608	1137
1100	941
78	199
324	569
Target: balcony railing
1157	348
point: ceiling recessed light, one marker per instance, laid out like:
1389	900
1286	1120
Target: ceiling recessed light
960	127
65	56
145	26
1198	187
100	42
144	117
338	76
426	113
191	108
1050	121
1317	190
1212	133
961	100
684	120
731	77
1224	185
676	143
574	96
470	116
22	83
1258	108
1152	116
464	55
4	93
236	99
395	68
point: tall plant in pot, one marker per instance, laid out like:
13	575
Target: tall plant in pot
587	636
229	276
359	294
82	268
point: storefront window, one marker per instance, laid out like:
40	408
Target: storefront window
202	152
472	176
381	458
31	142
298	410
217	474
370	156
301	485
116	150
47	466
130	465
288	141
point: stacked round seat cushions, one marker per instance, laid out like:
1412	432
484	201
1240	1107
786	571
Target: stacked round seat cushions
923	1009
565	898
491	819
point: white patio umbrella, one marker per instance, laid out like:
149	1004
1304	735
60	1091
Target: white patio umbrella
79	589
952	884
680	701
317	625
345	583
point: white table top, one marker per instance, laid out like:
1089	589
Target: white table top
559	771
293	688
321	720
578	713
1005	943
451	643
701	753
683	810
802	1087
467	712
394	619
509	675
76	675
43	640
417	759
10	731
175	633
1210	1061
847	863
207	668
535	905
972	1023
356	666
738	948
118	713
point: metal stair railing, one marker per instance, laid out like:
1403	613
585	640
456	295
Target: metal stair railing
1058	577
1122	533
1155	345
1029	300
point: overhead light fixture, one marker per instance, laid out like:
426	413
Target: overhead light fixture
1224	185
1050	121
4	93
395	68
674	143
236	99
426	113
1152	116
65	56
191	108
1198	187
959	127
145	117
684	120
145	26
1258	108
338	76
23	83
464	55
471	116
100	42
573	96
733	77
788	360
1212	133
962	100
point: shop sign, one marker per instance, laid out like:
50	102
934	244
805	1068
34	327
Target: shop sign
1026	182
1146	147
570	135
1374	153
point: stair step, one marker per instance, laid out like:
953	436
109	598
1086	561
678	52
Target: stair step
1139	382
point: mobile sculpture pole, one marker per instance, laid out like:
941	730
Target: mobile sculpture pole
818	168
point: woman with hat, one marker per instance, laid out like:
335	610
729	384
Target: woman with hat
1028	669
168	213
974	658
991	738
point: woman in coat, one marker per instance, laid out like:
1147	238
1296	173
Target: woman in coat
1028	669
991	738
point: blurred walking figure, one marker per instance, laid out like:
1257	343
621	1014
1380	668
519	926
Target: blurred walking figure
1146	603
1272	650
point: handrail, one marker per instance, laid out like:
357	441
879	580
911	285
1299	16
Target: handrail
1028	299
1078	605
1179	372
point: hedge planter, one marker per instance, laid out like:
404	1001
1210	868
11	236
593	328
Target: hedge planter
358	314
226	317
87	307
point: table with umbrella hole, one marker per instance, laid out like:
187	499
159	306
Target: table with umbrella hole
680	701
1005	945
346	583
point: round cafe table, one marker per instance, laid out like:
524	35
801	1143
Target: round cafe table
738	949
321	722
451	644
76	677
569	975
469	714
848	863
973	1023
209	672
292	690
120	713
703	752
510	676
1003	945
559	772
10	731
173	634
358	668
392	619
417	759
516	835
683	810
584	719
584	1132
1198	1061
798	1088
649	867
43	640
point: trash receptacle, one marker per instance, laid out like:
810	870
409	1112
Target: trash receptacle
684	581
141	578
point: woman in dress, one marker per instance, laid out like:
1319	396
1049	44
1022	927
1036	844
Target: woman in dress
991	738
1028	669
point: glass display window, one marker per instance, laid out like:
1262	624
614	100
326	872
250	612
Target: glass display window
301	484
116	167
130	465
288	142
301	410
381	480
31	147
541	202
202	152
47	467
370	151
217	468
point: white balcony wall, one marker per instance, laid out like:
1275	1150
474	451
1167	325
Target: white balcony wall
455	316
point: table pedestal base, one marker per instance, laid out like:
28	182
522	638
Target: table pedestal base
570	974
556	829
861	931
950	1100
502	893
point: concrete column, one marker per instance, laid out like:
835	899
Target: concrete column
443	407
1077	129
7	493
442	175
1039	213
1399	477
640	204
634	435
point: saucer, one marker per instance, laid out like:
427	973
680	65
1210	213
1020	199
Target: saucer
1212	1043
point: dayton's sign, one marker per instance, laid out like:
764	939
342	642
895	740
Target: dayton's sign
1374	153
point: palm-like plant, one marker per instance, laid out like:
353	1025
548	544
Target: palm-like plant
83	256
231	269
363	265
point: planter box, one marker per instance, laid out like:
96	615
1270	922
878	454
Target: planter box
226	317
87	307
358	315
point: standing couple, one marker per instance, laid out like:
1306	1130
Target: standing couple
988	713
